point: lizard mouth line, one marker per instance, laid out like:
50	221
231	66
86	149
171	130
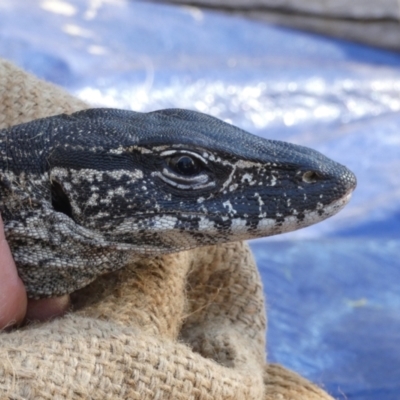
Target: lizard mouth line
341	202
239	229
311	216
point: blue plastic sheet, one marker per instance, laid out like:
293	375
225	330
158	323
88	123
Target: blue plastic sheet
332	289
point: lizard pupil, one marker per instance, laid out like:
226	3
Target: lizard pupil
185	165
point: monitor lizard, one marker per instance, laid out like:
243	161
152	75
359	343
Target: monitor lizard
87	193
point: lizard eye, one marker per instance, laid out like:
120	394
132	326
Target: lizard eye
185	169
184	165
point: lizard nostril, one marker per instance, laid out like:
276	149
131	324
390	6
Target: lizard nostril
311	177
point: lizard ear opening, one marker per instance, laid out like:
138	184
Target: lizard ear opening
59	199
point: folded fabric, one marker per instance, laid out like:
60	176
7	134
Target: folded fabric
375	25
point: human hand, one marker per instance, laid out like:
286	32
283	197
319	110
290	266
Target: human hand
14	304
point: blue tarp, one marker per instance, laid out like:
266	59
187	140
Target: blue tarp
332	289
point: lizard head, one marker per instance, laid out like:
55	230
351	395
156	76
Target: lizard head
174	179
86	193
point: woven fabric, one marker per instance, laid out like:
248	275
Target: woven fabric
183	326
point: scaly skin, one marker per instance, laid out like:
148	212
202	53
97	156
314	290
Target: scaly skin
85	194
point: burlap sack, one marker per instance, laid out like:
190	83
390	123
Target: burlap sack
183	326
